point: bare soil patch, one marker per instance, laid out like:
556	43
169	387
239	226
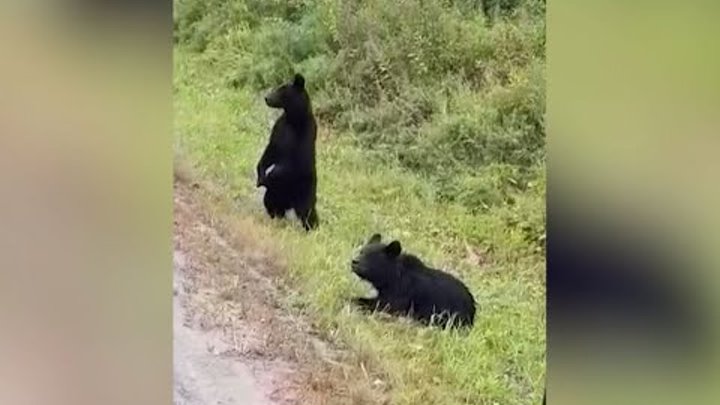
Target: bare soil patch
229	282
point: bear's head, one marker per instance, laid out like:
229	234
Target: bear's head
291	97
377	262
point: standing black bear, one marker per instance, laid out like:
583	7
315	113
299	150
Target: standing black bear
406	286
287	167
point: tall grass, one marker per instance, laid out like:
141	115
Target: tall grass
431	131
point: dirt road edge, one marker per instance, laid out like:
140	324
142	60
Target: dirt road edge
230	282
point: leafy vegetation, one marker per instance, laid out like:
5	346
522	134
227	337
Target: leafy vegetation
431	131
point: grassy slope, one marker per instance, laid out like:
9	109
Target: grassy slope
222	131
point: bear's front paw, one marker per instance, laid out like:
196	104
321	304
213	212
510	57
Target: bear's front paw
269	170
367	304
260	180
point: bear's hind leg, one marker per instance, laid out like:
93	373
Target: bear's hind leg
273	209
308	216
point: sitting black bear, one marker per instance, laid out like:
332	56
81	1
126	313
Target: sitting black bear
407	287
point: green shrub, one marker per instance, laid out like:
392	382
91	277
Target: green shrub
426	81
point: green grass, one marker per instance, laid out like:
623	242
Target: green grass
448	158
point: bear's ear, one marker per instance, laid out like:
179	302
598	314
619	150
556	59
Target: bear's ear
299	81
393	249
375	238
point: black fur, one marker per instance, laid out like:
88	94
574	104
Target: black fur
287	167
407	287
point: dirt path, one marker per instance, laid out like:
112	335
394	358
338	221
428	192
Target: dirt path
235	342
201	375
